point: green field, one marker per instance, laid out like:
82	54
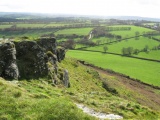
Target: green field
151	55
136	44
78	31
130	33
157	36
5	26
149	23
31	25
102	40
145	71
29	33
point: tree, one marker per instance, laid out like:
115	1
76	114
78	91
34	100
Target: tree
70	44
136	51
98	42
136	35
130	50
146	49
127	51
124	51
105	48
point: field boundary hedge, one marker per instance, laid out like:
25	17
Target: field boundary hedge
109	42
153	60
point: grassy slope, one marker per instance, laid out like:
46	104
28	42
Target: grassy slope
146	71
37	99
78	31
131	32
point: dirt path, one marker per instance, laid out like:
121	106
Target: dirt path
100	116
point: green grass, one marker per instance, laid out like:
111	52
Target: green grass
78	31
102	40
157	36
29	33
136	44
27	25
130	33
151	55
5	26
149	23
79	46
37	99
56	24
145	71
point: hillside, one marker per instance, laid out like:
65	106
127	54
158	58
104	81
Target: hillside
95	88
75	68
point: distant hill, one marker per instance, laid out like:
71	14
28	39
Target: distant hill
133	18
16	15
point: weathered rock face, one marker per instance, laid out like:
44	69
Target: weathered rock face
48	44
60	54
30	59
8	65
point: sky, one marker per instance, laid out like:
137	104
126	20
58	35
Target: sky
142	8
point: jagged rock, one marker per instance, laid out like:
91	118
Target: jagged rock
48	44
31	60
52	57
8	65
60	54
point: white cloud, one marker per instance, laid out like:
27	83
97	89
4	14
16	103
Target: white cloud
145	8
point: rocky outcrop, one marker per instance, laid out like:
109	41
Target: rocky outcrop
32	59
8	65
60	54
48	44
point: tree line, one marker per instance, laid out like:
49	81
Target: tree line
130	50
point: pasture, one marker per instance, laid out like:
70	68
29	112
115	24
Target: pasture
151	55
136	44
78	31
28	33
143	70
27	25
130	33
5	26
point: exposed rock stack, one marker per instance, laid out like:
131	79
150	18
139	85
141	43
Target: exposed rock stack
8	65
31	59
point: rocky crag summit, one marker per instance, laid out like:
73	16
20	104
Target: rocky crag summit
32	60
